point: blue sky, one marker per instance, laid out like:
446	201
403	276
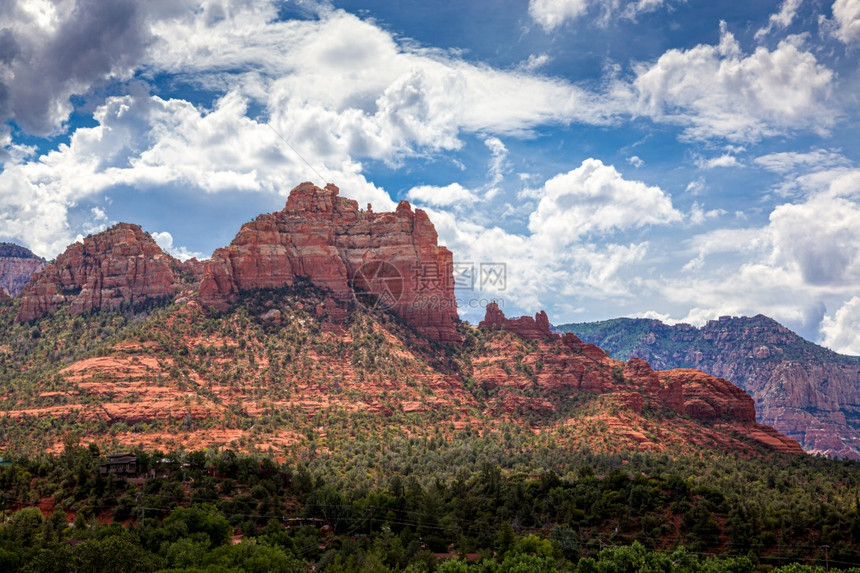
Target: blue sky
672	159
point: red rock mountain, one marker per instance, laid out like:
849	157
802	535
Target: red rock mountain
803	390
281	365
389	260
562	364
122	265
17	265
182	379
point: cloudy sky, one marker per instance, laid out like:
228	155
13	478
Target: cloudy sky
674	159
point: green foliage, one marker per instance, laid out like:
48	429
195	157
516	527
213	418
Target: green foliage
592	515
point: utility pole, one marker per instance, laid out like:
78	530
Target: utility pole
826	557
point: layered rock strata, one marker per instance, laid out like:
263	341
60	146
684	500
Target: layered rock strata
565	363
122	265
384	260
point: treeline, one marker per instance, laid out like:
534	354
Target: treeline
222	511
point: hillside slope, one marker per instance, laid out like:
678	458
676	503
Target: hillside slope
279	343
803	390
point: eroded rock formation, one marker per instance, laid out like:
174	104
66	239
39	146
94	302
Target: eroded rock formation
385	260
565	364
122	265
527	327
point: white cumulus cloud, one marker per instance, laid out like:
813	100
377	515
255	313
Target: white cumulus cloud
842	330
165	240
803	259
718	91
448	195
846	13
551	14
559	259
595	199
725	160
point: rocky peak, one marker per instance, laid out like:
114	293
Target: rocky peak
536	328
388	260
122	265
308	200
17	266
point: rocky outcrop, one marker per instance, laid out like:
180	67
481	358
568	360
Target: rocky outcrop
389	261
383	260
708	398
564	365
17	265
122	265
807	392
669	391
574	343
536	328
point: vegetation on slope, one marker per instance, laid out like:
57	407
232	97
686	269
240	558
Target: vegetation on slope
597	513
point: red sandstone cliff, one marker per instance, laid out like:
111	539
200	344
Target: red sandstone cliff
388	260
122	265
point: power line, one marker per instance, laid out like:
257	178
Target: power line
284	139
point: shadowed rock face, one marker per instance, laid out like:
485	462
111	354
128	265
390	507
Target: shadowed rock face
17	265
122	265
388	260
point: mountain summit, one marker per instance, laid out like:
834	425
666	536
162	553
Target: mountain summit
390	260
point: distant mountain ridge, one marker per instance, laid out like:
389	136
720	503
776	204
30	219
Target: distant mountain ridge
805	391
17	265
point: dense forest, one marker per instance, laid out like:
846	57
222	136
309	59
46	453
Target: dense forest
217	510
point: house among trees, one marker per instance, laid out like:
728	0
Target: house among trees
119	464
